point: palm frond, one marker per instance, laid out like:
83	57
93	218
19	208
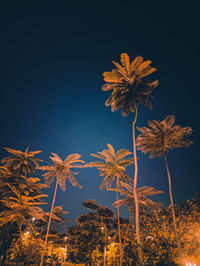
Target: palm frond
162	136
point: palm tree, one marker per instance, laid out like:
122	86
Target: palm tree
158	139
19	209
21	162
130	88
113	169
59	170
129	200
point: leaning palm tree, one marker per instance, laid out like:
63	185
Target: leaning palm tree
21	162
59	170
158	139
113	168
130	88
142	193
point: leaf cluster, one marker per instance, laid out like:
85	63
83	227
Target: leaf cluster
129	84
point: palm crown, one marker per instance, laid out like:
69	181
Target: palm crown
114	165
61	170
129	84
162	136
22	162
142	194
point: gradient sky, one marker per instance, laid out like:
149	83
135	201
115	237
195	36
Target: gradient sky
52	58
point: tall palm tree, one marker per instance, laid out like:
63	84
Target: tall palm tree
130	88
21	162
142	193
158	139
113	168
59	170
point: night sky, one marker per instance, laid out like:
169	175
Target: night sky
52	58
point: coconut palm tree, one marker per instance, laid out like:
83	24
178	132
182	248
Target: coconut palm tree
21	162
113	168
158	139
59	170
130	87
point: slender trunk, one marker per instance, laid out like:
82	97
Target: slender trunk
118	219
48	227
20	243
172	204
137	218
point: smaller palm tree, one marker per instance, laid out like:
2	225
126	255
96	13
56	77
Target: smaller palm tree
142	193
21	162
113	168
159	138
60	170
19	209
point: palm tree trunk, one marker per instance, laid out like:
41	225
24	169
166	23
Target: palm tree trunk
20	242
118	219
49	223
172	204
137	218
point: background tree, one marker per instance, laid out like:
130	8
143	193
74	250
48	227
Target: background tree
158	139
113	168
59	170
130	88
93	230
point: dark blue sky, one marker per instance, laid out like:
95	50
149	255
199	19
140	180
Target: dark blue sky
52	58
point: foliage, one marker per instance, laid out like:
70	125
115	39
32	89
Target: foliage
62	169
129	84
162	136
93	229
142	192
114	165
21	162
